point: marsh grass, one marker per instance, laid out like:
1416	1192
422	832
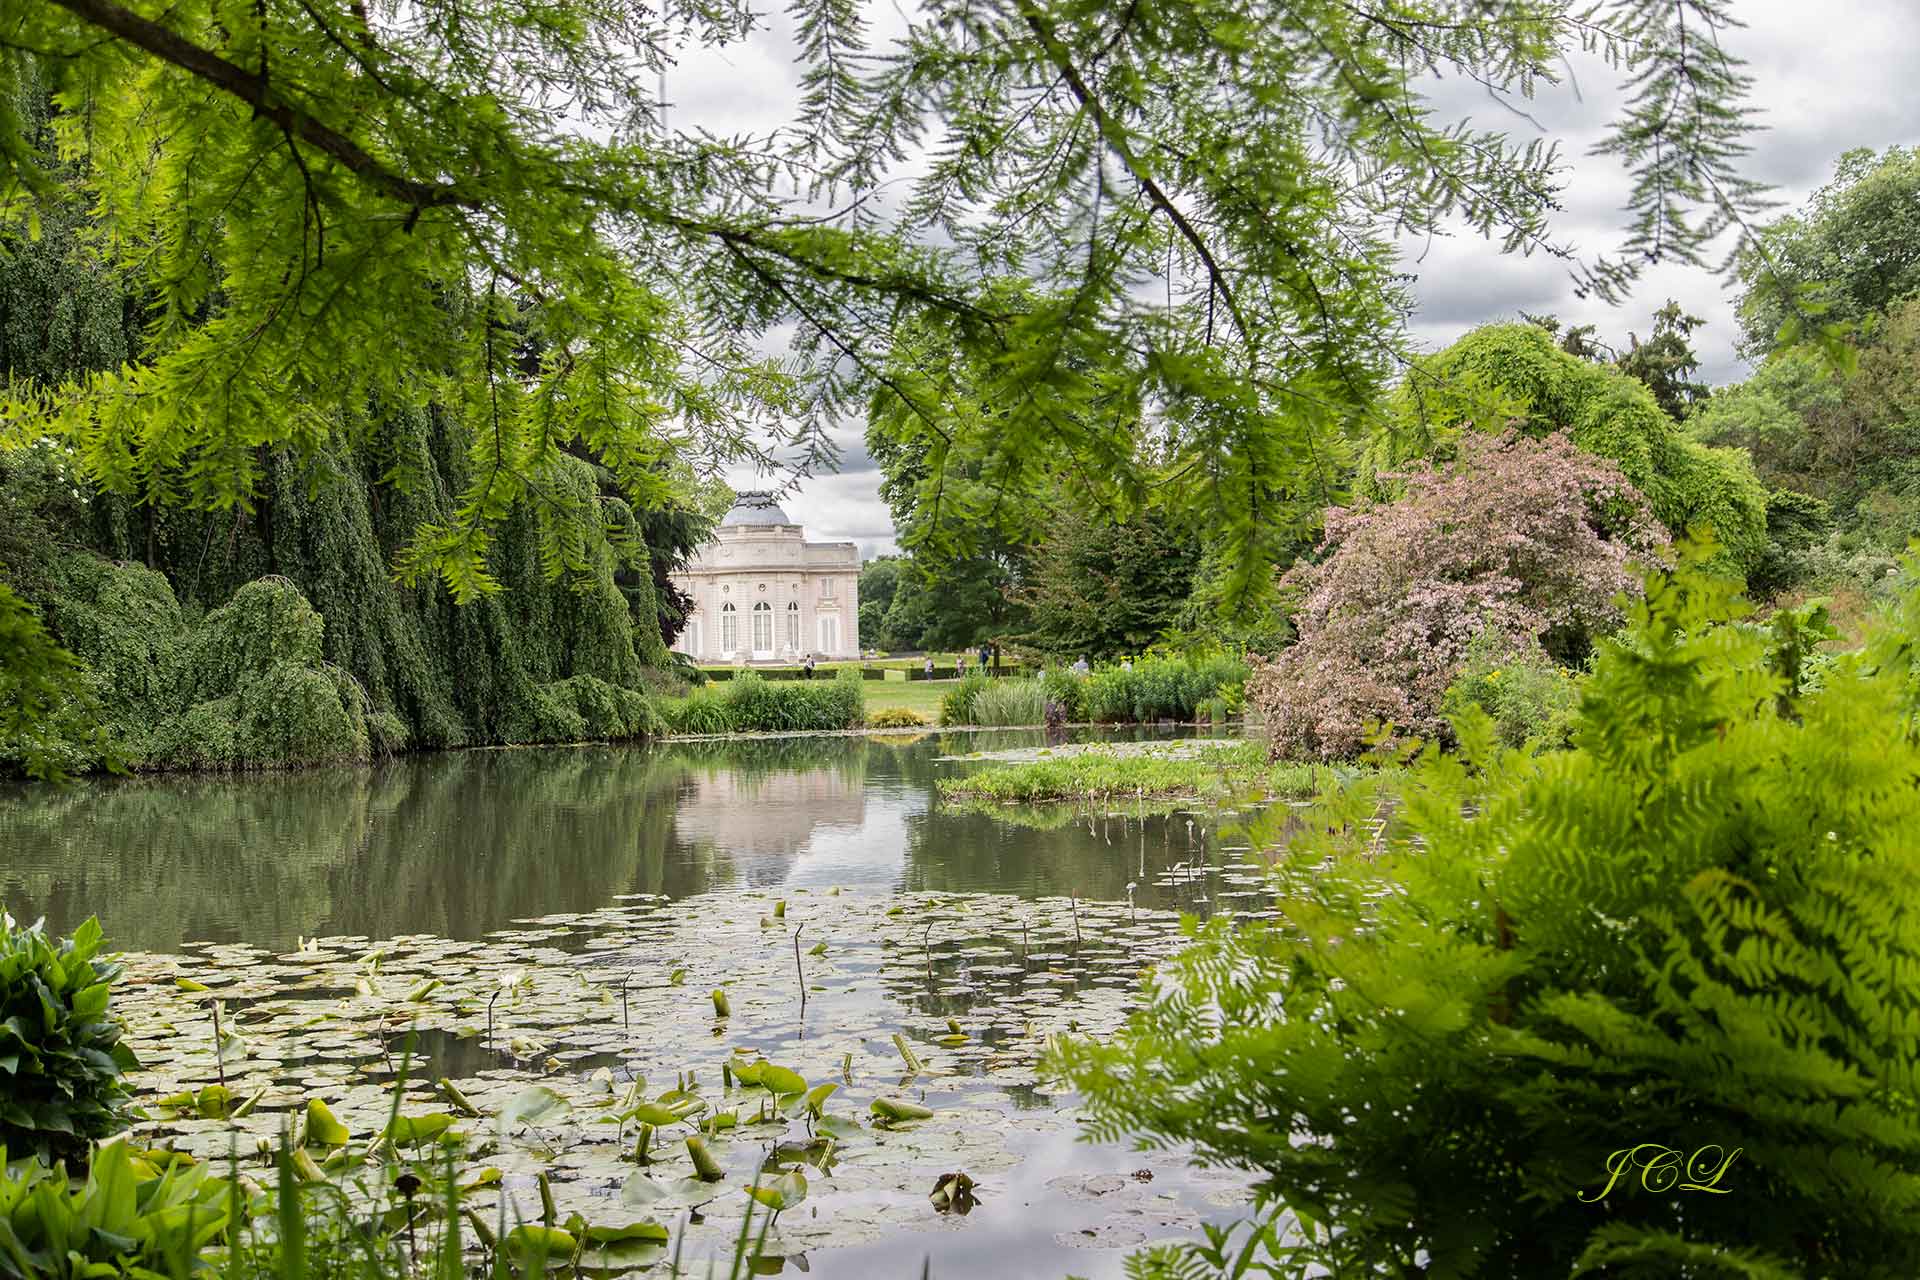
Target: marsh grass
1213	774
1011	702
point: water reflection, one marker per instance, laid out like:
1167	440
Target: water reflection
461	843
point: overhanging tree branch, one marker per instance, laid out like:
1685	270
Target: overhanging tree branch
172	47
1116	140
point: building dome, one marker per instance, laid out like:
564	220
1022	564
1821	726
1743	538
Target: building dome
755	508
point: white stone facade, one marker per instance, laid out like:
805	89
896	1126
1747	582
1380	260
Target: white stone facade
763	594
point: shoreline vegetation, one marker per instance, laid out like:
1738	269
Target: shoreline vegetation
1156	772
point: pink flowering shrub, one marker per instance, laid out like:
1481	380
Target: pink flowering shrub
1526	540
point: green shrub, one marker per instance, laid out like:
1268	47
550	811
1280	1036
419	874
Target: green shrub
895	718
127	1218
756	705
702	711
60	1050
1067	690
1162	689
1693	932
956	707
581	707
1532	700
1015	700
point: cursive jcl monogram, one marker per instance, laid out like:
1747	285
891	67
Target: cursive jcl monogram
1662	1169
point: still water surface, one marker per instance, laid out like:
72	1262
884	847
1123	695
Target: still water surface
463	844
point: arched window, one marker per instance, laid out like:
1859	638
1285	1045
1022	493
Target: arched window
763	628
793	625
729	630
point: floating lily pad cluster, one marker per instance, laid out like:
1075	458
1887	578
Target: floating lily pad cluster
643	1077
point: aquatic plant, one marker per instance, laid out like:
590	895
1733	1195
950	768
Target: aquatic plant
61	1054
1102	775
895	718
1067	690
1635	1007
144	1214
1015	700
1160	688
702	711
956	705
544	1120
756	705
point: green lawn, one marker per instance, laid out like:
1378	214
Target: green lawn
916	695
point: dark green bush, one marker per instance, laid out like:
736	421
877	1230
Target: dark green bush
1691	934
61	1057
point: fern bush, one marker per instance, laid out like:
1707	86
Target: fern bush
1691	933
61	1058
896	718
1012	701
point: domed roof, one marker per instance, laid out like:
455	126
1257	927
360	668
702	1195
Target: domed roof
755	508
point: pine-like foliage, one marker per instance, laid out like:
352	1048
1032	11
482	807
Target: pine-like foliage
1694	929
1145	246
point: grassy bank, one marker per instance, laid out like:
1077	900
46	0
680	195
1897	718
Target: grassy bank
1107	776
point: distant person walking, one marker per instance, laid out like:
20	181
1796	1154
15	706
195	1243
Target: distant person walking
986	655
1081	666
960	665
929	666
806	669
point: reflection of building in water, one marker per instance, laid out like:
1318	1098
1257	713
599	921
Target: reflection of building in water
764	822
763	593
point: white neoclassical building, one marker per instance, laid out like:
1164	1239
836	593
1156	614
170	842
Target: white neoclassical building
763	593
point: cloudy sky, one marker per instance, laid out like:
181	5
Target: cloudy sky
1828	76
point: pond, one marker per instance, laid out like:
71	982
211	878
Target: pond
561	917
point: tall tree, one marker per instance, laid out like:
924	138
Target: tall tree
1666	361
338	201
1101	590
1850	254
879	582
